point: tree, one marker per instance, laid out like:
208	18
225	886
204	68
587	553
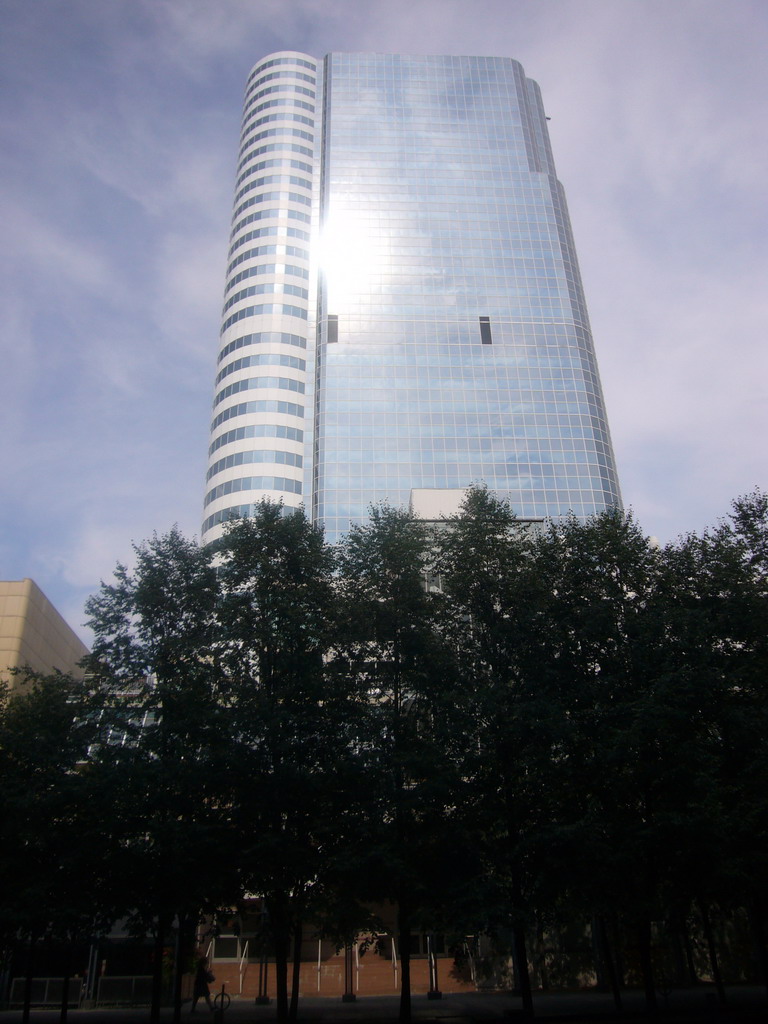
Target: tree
496	596
490	725
732	591
50	835
395	654
155	659
286	726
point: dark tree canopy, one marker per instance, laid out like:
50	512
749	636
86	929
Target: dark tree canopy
501	728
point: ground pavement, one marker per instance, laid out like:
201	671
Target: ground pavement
746	1005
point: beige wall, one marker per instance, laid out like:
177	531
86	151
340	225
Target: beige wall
435	502
33	633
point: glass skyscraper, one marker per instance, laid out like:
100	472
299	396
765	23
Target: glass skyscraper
403	307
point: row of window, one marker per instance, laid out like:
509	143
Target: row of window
278	161
268	133
366	469
266	197
274	179
279	61
224	515
271	288
419	418
263	308
480	451
337	526
298	76
268	118
265	405
485	334
271	229
377	382
551	342
493	169
245	458
565	435
263	338
253	483
344	402
269	250
282	383
256	430
378	480
290	87
303	218
300	90
400	180
381	305
267	268
275	147
269	104
456	405
268	359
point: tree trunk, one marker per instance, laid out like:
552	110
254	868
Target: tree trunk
615	933
522	974
680	976
157	970
280	927
178	968
693	978
646	965
713	962
28	980
606	956
65	986
757	925
519	950
404	940
683	951
293	1009
540	962
601	975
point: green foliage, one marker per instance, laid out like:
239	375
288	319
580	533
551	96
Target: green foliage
162	730
499	727
404	674
49	851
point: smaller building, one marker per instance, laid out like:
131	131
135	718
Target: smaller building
33	633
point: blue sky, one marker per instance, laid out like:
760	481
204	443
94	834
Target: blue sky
119	123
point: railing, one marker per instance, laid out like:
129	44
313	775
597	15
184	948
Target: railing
319	961
471	962
46	991
130	990
243	966
394	962
434	991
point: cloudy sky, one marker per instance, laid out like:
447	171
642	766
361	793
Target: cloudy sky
119	122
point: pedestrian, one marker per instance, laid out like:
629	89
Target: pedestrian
203	978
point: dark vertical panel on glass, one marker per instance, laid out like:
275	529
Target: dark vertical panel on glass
485	330
333	328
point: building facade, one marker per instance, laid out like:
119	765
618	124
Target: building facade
34	635
403	307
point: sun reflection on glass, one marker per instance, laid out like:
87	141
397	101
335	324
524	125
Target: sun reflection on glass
348	260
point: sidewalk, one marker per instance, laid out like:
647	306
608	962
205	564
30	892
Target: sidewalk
746	1005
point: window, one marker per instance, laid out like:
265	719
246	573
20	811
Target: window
485	330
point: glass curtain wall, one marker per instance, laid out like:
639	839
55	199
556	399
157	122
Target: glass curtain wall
453	340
